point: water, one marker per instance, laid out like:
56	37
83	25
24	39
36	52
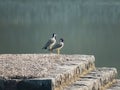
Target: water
87	26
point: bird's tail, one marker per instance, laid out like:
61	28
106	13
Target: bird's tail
44	48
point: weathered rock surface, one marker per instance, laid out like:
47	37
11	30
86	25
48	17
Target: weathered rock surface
40	65
52	72
98	79
115	86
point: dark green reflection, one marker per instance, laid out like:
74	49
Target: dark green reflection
87	26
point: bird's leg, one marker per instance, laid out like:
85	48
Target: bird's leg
50	51
58	51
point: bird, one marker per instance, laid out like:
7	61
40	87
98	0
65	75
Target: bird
51	42
58	46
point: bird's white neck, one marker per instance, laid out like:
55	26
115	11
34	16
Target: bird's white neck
61	43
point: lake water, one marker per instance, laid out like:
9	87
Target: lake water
87	26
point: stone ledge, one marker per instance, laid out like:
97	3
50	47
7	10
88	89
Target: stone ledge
115	86
99	79
59	70
37	65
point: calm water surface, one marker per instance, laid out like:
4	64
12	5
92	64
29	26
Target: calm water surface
89	27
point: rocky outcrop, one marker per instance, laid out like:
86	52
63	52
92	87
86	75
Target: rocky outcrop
115	86
98	79
53	72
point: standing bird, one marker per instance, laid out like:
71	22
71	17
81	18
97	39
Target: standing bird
58	46
51	42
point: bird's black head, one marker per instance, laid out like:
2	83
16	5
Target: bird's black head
54	35
61	40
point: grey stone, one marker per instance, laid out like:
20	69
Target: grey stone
115	86
53	72
99	79
43	71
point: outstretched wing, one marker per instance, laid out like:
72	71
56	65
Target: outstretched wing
48	44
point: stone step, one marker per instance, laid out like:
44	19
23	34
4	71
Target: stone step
99	79
42	71
115	86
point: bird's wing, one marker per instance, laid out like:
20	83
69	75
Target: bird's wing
56	46
48	43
